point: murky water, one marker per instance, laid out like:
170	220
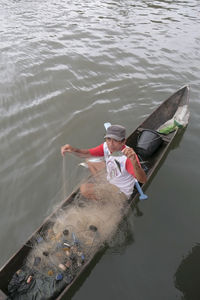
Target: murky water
65	69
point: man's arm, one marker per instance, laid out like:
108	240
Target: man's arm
97	151
79	152
139	172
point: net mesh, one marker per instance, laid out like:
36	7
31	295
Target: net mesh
71	238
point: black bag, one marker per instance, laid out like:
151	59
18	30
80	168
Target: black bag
148	142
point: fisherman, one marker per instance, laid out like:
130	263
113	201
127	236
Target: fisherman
121	169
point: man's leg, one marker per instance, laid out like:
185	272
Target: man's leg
95	167
88	191
101	191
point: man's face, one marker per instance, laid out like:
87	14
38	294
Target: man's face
114	145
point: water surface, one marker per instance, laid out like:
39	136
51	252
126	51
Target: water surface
65	69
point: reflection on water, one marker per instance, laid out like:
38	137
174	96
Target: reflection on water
188	274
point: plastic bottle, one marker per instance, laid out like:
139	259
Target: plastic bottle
181	116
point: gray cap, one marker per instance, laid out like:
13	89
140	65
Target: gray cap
116	132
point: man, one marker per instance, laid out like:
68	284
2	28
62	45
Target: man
121	169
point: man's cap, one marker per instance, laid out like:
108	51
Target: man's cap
116	132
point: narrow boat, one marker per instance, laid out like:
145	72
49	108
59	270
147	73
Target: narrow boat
60	282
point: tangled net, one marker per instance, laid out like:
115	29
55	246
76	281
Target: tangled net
69	240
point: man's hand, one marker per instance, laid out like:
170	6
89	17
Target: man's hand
66	148
130	153
139	172
79	152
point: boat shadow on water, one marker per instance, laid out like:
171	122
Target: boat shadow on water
187	275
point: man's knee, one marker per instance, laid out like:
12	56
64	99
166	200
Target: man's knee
87	190
83	189
96	167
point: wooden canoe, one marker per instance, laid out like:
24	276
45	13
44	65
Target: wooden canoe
162	114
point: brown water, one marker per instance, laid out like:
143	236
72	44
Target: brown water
65	69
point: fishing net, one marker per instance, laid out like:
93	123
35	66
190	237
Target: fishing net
59	251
